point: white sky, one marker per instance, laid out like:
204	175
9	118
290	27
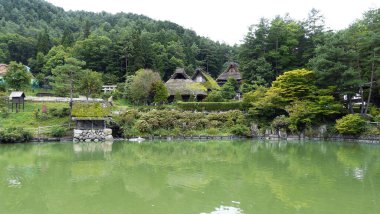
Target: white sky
227	21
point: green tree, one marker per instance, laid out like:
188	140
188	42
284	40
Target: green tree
160	92
352	124
17	76
228	90
90	83
141	85
65	78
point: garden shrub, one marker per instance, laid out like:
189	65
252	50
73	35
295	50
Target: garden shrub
15	135
240	130
352	124
209	106
57	131
60	112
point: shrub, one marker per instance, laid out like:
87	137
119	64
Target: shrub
240	130
57	131
214	96
14	135
352	124
209	106
4	112
60	112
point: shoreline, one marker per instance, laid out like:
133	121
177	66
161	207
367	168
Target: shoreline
362	140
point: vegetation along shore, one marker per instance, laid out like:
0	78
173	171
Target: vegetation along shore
64	71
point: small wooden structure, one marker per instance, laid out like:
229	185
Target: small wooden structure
108	88
231	72
92	123
17	98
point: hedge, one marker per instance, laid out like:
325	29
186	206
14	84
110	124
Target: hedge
210	106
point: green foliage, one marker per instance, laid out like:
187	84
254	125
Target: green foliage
58	131
141	85
214	96
59	112
280	122
160	92
90	83
14	135
294	85
3	105
228	90
352	124
17	76
173	122
177	97
209	106
240	130
65	79
253	97
95	110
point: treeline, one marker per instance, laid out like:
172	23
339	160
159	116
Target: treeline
347	59
38	34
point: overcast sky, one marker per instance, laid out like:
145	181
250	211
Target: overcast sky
227	21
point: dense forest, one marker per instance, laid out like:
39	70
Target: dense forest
40	35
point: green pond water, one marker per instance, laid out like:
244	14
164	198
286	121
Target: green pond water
190	177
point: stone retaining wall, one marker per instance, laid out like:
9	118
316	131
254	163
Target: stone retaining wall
95	135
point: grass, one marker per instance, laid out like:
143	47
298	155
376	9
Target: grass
26	119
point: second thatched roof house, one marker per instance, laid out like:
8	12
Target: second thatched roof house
205	79
180	83
231	72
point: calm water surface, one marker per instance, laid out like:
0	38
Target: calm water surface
190	177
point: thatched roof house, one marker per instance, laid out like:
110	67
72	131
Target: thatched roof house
205	79
231	72
181	83
3	69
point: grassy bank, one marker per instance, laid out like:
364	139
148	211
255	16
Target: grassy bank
30	120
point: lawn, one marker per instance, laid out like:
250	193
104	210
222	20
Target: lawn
26	119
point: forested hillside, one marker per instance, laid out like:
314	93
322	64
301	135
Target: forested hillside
42	35
347	60
38	34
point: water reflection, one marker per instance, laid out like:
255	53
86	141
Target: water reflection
93	149
190	177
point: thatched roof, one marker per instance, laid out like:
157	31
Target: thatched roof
181	83
3	69
210	82
232	71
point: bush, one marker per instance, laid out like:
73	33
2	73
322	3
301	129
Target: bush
214	96
60	112
57	131
209	106
4	112
240	130
15	135
352	124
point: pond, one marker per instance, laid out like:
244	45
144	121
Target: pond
226	177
